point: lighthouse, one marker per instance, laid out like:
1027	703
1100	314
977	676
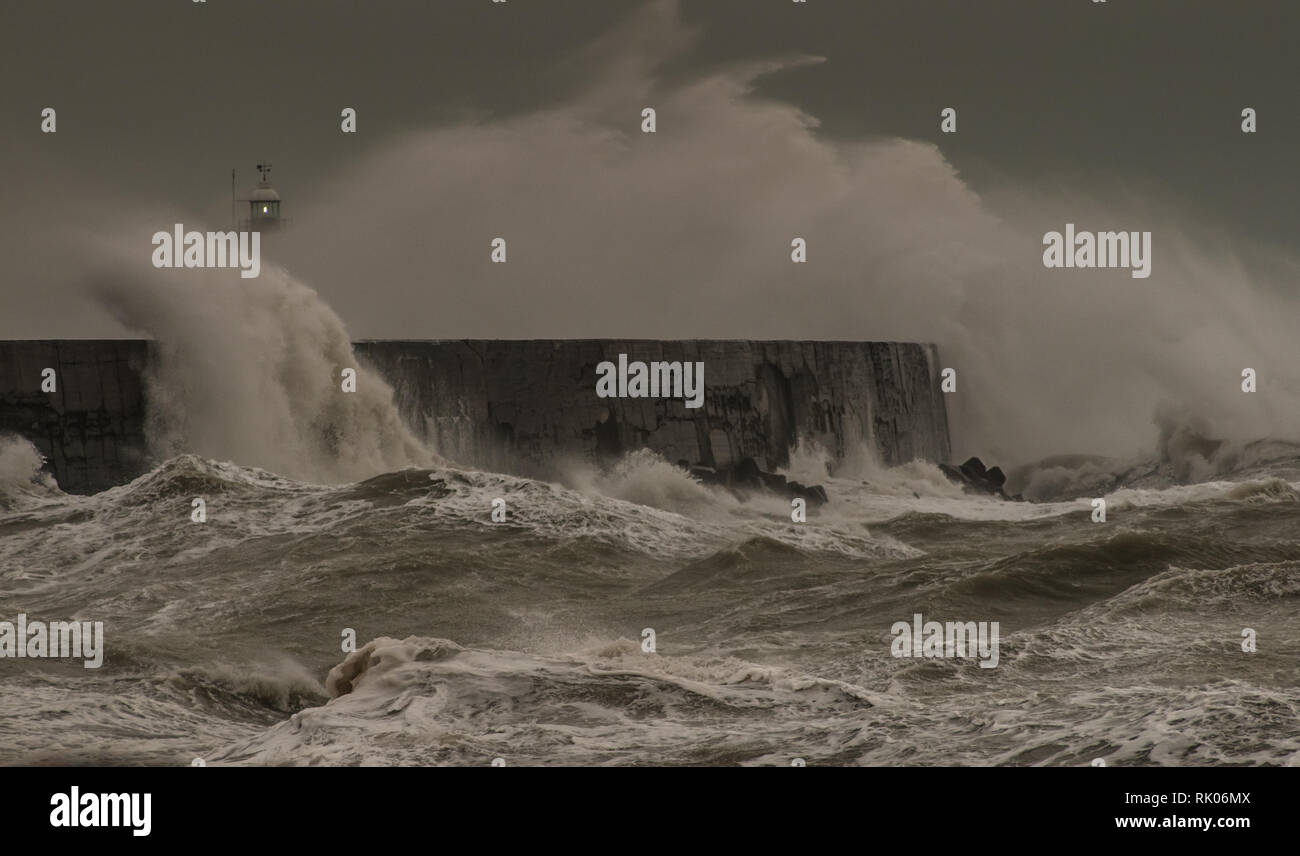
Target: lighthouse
263	204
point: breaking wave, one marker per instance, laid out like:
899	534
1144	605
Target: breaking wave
262	386
23	480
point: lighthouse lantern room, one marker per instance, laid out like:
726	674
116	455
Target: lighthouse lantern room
263	204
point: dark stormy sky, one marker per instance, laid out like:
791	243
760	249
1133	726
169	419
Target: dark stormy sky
162	97
776	119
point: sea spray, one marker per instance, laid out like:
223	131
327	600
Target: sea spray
254	371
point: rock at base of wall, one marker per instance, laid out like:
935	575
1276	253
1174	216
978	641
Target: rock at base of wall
746	477
973	476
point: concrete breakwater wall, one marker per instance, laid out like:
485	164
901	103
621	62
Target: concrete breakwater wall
534	400
91	427
515	405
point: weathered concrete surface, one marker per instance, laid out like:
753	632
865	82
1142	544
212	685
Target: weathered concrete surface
477	401
91	428
520	405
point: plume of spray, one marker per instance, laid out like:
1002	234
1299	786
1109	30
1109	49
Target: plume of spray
686	233
250	370
22	479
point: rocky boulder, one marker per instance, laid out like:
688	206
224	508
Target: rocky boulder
746	476
974	477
